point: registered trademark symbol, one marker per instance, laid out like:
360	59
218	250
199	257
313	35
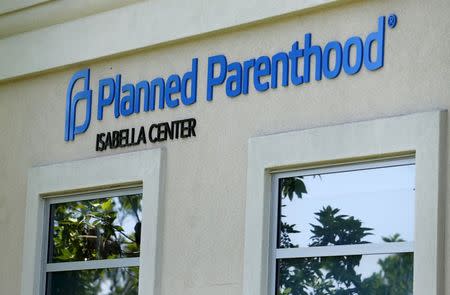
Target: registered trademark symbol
392	21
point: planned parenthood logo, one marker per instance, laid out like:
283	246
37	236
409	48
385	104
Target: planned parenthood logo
71	105
299	65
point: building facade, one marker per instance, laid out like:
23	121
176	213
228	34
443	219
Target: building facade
206	130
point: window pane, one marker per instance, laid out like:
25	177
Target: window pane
351	207
94	282
350	275
102	228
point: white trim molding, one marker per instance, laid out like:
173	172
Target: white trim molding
422	136
8	6
143	168
141	25
45	13
342	250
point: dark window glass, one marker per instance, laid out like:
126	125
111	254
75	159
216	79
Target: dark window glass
114	281
103	228
345	208
346	275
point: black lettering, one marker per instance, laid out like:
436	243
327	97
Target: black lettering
132	142
157	133
115	139
100	144
162	133
108	140
192	124
169	130
184	129
150	131
124	137
177	129
141	137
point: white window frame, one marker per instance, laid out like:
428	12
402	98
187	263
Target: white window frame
332	250
143	169
422	136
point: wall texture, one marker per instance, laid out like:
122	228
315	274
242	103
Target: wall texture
204	201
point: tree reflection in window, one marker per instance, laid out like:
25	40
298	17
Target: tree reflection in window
114	281
337	275
103	228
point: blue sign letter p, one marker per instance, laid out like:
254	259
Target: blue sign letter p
71	105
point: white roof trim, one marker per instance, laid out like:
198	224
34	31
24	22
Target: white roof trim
144	24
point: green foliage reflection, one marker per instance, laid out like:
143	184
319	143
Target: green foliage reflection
103	228
337	275
117	281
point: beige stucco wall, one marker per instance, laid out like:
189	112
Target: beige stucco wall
204	201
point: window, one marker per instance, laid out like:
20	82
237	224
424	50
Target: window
99	186
419	136
344	230
94	243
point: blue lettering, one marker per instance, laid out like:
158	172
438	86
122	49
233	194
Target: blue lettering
276	59
173	87
235	80
192	77
102	100
155	84
294	55
220	60
248	64
262	68
267	72
145	87
308	53
357	43
117	96
328	72
377	37
127	102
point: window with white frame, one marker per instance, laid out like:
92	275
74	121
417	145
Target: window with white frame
344	230
113	176
93	243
